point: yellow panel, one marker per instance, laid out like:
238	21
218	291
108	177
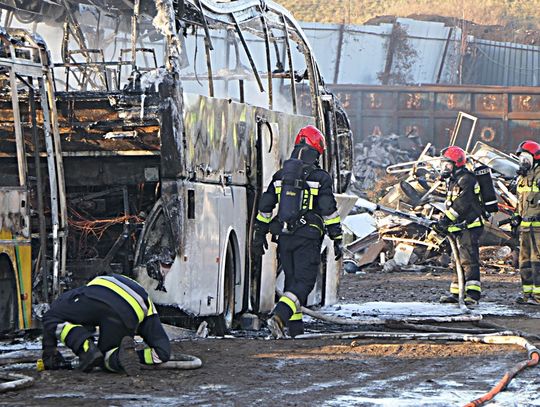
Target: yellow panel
21	262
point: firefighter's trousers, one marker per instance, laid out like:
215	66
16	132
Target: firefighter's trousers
300	259
469	254
529	260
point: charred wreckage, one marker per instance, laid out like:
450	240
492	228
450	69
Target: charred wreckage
137	136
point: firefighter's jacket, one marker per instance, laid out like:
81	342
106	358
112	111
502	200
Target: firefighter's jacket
528	192
321	216
463	201
132	303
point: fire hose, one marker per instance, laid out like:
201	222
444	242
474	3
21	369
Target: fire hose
501	338
15	381
427	223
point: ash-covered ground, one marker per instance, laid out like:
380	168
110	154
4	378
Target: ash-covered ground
249	369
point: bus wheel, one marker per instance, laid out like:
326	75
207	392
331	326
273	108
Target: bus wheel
221	324
8	296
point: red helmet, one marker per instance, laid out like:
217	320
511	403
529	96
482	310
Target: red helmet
456	155
529	146
312	137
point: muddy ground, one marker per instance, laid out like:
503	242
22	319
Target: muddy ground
241	371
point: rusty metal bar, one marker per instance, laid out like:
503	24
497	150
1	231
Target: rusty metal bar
208	48
205	26
19	139
39	185
248	54
53	183
134	30
291	68
49	85
268	61
79	36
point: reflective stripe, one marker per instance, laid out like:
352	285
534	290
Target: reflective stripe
151	308
526	188
476	188
474	224
313	184
289	302
454	290
316	227
528	289
296	317
332	219
63	330
292	297
277	183
106	359
261	217
491	202
473	285
148	359
536	290
151	357
314	191
133	299
86	345
340	237
533	223
451	214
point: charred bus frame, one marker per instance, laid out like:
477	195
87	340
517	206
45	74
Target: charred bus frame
160	165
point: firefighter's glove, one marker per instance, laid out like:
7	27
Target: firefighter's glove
441	227
515	221
259	244
52	359
338	249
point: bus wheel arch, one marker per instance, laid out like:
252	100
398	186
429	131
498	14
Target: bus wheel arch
231	269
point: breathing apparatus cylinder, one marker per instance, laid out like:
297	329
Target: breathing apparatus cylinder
487	190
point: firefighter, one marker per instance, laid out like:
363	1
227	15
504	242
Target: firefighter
299	243
463	218
527	220
121	308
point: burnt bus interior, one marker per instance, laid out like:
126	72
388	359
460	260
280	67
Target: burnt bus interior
95	158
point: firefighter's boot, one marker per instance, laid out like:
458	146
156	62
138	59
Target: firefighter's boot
295	325
534	300
470	301
89	356
276	327
524	299
128	357
449	299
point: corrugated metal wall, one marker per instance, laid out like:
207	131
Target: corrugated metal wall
413	52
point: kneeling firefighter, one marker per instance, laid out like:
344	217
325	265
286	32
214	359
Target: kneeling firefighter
463	218
527	220
307	209
121	308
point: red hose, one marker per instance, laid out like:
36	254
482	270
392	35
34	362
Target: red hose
508	376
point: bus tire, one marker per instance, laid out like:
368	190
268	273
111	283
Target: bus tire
8	296
223	323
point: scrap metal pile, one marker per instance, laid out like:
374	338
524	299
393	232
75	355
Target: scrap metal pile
395	235
375	153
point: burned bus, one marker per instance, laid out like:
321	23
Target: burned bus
137	137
